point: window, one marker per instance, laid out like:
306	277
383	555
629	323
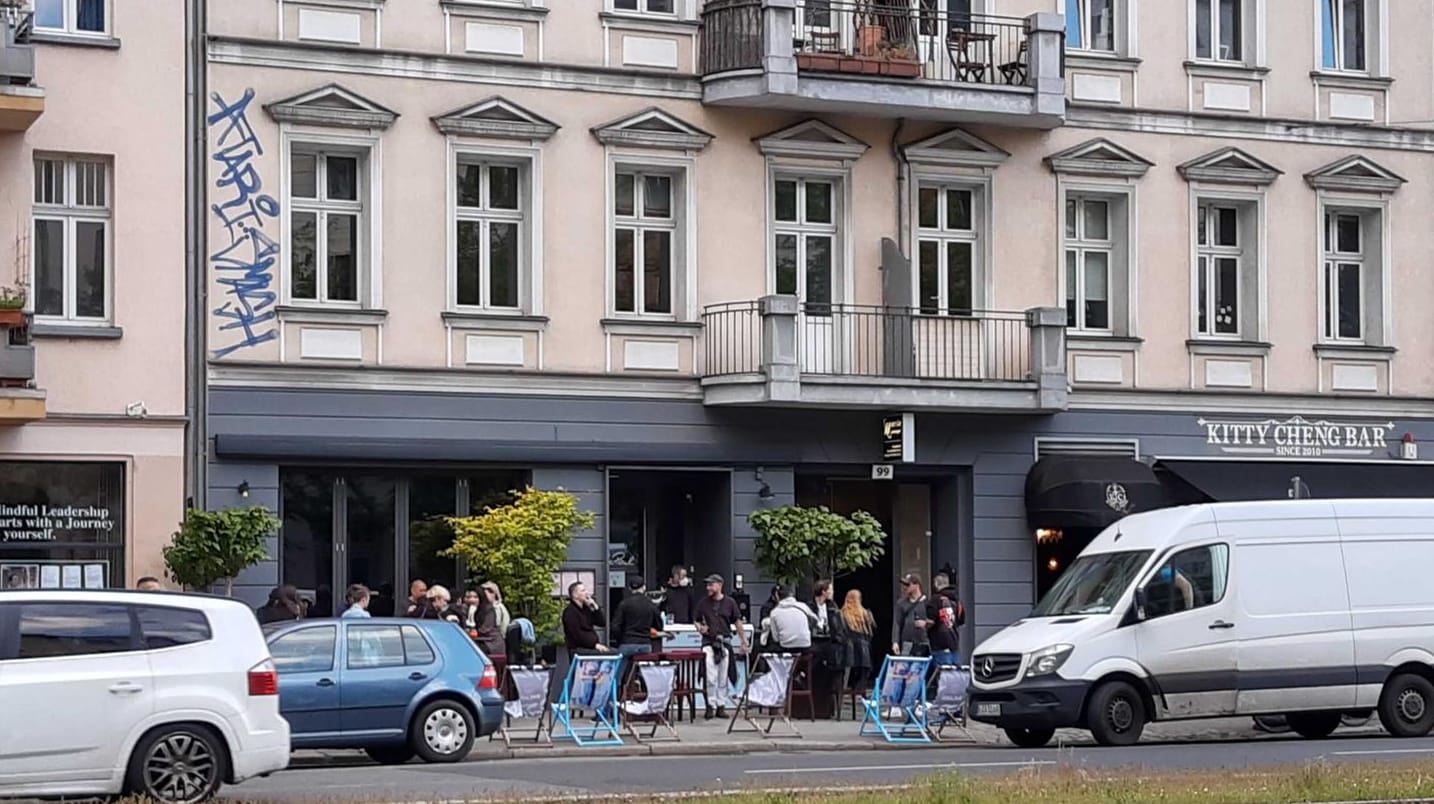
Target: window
806	239
1344	27
372	646
1217	270
307	650
646	6
52	630
326	226
72	16
415	648
644	241
490	202
167	628
72	239
1344	276
1090	25
1191	579
1219	33
1088	263
946	249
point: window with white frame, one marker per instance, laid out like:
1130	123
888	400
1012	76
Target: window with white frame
1218	254
1345	27
948	245
328	196
1089	248
1220	30
1091	25
491	203
1344	275
807	238
667	7
83	17
71	247
646	238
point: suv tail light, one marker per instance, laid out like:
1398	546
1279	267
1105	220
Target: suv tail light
489	681
264	678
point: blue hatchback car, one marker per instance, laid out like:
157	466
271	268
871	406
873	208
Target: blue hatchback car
393	687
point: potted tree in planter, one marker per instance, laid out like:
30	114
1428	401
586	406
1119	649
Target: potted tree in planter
797	545
214	546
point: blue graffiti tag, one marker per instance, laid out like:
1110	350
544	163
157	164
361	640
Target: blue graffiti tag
244	266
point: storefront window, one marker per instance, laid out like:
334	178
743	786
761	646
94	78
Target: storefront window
61	525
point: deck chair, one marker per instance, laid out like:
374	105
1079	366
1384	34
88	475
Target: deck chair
948	704
530	683
650	705
590	686
771	693
901	685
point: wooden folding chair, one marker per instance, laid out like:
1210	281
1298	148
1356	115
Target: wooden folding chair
646	698
769	692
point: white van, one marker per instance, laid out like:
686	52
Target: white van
1307	608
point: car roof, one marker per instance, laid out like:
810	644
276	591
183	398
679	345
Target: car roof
190	600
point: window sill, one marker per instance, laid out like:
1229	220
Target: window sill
76	331
1096	342
1225	69
635	327
1326	78
488	8
508	322
656	23
299	314
1108	61
74	40
1229	348
1354	351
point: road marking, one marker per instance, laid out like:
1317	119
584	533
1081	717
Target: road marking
1385	751
938	766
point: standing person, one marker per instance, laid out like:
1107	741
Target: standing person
678	603
908	623
860	628
828	643
495	596
715	616
149	583
581	620
637	621
944	614
438	606
284	604
358	597
417	599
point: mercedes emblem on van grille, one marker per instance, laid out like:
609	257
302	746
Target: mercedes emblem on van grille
988	667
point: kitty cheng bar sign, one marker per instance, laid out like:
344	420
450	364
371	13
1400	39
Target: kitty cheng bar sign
1298	437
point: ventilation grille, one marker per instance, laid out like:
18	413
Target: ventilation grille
1047	447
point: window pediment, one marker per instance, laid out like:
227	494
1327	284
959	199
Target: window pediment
1356	174
1230	166
955	148
334	106
1099	157
812	139
496	117
653	128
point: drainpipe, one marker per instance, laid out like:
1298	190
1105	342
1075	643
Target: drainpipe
196	289
900	183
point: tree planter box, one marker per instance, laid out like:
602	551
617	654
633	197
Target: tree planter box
862	65
10	319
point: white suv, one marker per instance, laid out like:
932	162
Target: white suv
165	696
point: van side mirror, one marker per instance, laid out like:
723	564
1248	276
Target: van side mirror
1140	604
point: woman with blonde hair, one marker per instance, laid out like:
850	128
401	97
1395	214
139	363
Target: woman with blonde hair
439	604
860	627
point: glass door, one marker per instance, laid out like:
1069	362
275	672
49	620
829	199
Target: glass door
370	539
309	538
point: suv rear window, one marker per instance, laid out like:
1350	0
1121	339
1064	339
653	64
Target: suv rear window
73	629
164	627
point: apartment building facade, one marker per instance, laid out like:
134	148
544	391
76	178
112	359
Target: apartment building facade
995	272
92	303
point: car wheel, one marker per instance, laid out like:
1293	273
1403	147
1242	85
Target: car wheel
389	754
1406	707
1030	738
179	764
1313	725
443	731
1116	714
1272	724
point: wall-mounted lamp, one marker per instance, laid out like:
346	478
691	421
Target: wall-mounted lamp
764	493
1048	535
244	489
1409	448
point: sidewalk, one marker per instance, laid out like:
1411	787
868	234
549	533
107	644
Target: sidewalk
711	738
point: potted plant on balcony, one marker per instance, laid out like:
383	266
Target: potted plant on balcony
12	303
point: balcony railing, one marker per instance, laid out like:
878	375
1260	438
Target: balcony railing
731	36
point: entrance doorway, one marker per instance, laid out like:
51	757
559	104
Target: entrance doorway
377	528
661	518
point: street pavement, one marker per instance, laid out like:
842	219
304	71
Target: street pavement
846	762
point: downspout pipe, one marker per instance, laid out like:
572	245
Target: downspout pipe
196	288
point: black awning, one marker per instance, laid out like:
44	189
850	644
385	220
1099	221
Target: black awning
1233	481
1089	491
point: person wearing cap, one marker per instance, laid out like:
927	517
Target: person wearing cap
715	617
908	623
637	621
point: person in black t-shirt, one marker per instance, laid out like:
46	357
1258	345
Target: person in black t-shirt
715	617
944	614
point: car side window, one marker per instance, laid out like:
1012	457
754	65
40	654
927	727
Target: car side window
51	630
415	648
374	646
307	650
1190	579
164	627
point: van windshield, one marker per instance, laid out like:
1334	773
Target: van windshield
1092	585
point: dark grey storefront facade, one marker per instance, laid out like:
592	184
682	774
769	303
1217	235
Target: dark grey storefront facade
961	503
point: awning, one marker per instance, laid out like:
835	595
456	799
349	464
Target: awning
1070	491
1232	481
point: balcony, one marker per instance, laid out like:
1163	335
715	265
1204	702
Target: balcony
779	352
19	401
21	102
884	58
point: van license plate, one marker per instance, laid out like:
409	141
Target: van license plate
988	710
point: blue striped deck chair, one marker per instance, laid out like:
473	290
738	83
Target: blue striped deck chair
591	686
901	685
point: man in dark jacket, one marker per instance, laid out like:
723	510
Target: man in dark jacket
581	620
636	620
944	614
679	603
908	623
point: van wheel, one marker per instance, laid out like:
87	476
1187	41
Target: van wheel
1406	707
180	764
443	731
1030	738
389	754
1115	714
1313	725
